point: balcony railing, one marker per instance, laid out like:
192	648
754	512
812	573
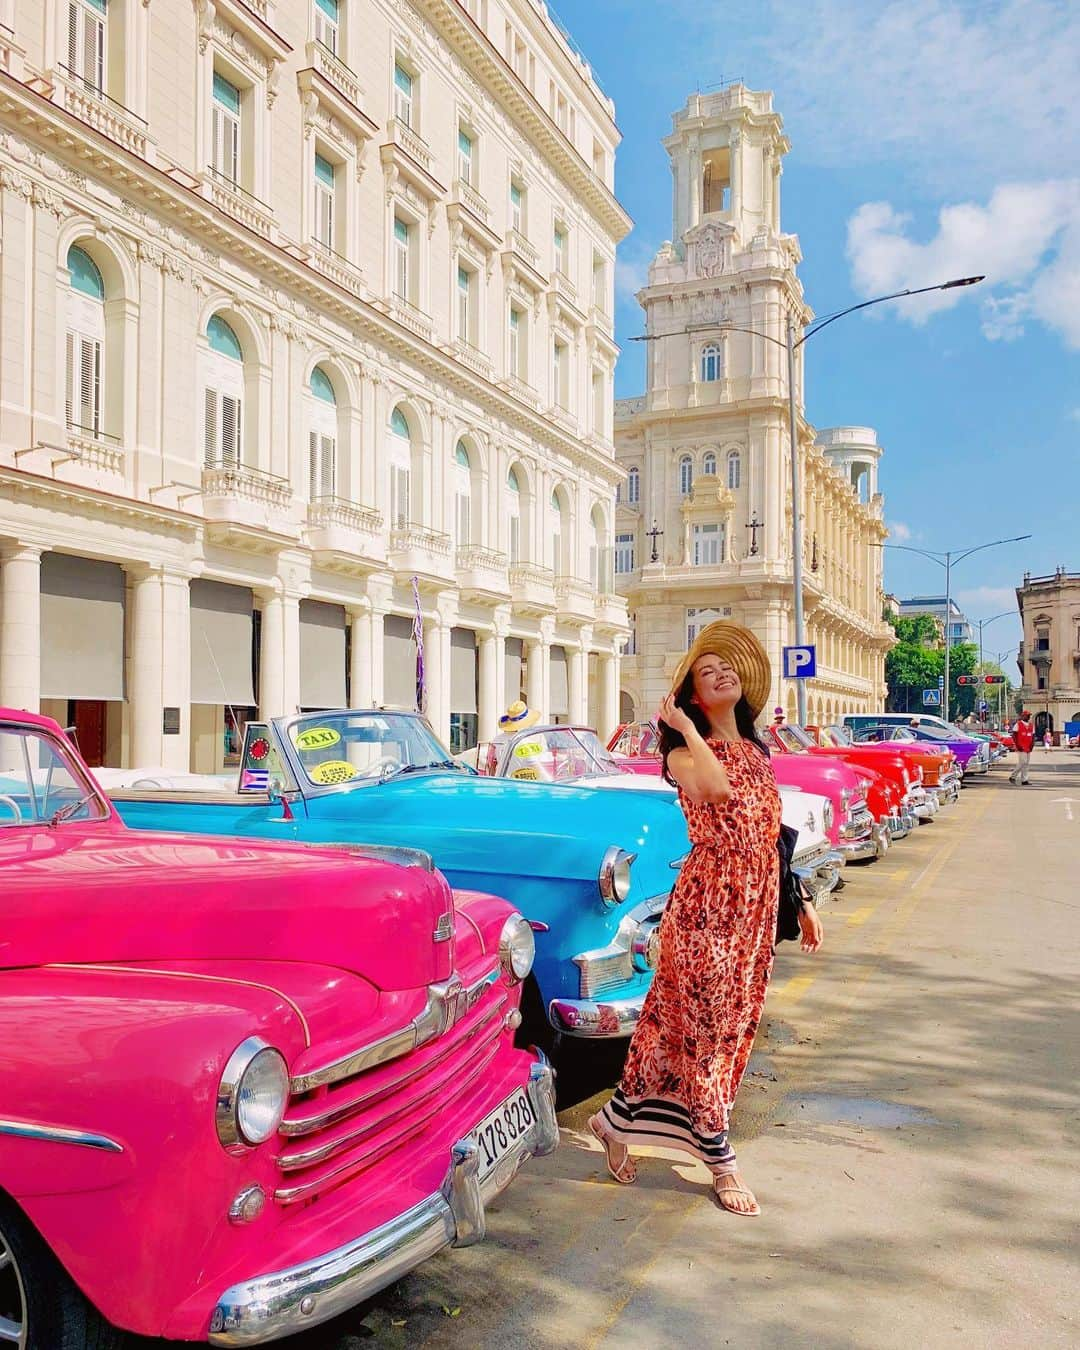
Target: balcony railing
240	483
415	146
521	246
409	536
330	512
95	449
335	268
470	556
532	587
414	319
238	202
468	196
84	100
562	285
334	71
472	357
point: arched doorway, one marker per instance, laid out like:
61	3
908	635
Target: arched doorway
626	706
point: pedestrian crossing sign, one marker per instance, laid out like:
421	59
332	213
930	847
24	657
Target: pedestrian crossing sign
931	698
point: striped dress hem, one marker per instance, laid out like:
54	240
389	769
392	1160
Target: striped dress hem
664	1122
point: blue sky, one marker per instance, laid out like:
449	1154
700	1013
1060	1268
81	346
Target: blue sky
930	139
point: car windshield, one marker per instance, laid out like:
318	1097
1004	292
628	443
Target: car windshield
790	737
836	736
41	781
639	738
558	755
356	747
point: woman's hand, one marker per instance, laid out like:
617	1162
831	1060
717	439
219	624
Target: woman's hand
673	715
813	934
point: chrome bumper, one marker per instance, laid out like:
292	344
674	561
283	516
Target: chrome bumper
824	877
900	825
946	792
302	1296
596	1018
856	850
921	804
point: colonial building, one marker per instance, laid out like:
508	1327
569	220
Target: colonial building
306	315
1049	658
703	522
960	629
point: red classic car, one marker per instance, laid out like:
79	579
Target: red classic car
243	1085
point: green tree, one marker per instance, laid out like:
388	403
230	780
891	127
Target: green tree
915	663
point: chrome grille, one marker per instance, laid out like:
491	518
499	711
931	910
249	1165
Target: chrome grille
607	973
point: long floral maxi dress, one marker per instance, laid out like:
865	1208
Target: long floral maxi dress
693	1040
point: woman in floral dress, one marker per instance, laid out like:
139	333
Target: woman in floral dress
693	1039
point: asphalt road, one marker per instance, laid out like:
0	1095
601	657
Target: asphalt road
909	1124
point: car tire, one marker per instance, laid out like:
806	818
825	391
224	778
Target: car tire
535	1028
40	1298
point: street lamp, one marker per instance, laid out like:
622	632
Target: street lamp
948	560
791	346
985	623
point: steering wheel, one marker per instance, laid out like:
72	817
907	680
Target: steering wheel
12	805
387	765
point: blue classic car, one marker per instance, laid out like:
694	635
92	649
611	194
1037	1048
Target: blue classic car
591	870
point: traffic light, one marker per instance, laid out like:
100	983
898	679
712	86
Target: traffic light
967	679
994	679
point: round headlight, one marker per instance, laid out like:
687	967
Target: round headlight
252	1095
646	948
614	878
517	948
828	815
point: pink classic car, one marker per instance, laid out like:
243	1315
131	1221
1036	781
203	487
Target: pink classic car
243	1085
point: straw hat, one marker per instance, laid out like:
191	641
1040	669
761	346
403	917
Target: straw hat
738	646
518	717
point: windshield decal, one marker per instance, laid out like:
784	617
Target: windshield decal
316	738
528	749
331	771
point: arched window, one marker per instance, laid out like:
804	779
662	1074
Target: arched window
599	555
711	368
223	396
686	475
513	492
322	437
734	470
400	469
556	536
85	383
633	486
708	464
462	496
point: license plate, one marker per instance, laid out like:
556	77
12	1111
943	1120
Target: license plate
500	1130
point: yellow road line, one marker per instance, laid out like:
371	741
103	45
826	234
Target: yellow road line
792	990
857	917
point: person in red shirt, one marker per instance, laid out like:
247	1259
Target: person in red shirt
1023	734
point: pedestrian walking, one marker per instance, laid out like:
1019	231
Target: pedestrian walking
1048	739
778	717
693	1039
1023	734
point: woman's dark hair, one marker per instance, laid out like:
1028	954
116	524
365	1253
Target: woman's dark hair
684	699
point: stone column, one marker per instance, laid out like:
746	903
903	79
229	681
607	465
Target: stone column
609	695
437	675
145	656
360	656
377	656
290	653
489	692
577	684
20	627
271	691
535	681
176	666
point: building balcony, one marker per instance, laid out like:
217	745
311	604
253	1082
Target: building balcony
86	457
11	54
574	600
1041	656
521	389
82	99
610	611
471	357
562	416
561	285
415	320
344	536
244	505
417	551
466	195
336	268
481	572
408	155
532	588
237	202
517	243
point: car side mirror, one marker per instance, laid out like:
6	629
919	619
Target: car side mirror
276	794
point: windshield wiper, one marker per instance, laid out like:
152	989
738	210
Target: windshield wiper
72	809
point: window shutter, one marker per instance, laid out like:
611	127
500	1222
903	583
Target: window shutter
218	154
89	369
232	149
313	465
230	430
69	384
325	216
93	51
515	539
210	428
73	38
327	466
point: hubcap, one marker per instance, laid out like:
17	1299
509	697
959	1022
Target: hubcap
13	1315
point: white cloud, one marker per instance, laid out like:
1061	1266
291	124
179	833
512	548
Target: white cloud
1073	414
953	89
1026	240
899	532
984	601
630	275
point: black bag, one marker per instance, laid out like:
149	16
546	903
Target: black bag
792	896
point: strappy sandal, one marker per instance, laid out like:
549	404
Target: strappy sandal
626	1172
721	1191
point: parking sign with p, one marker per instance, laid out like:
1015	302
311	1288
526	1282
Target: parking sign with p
800	663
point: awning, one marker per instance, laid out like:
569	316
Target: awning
514	662
221	644
560	691
399	662
462	670
82	628
322	655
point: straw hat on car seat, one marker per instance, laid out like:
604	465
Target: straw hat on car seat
741	649
518	717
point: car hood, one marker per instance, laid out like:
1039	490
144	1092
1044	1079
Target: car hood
104	894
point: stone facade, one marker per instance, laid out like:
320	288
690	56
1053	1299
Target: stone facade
1049	658
705	451
301	302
